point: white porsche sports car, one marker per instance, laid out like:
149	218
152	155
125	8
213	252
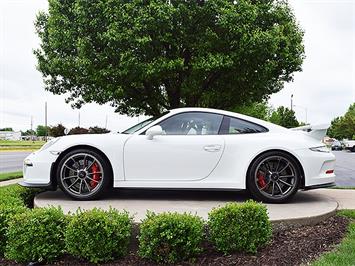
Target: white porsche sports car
187	148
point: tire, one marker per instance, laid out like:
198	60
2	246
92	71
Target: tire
273	177
353	149
83	174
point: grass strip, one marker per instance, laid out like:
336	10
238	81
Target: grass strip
344	254
9	176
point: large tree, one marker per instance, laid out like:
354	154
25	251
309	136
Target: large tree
284	116
57	131
145	56
343	127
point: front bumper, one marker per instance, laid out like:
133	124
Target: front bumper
48	186
37	170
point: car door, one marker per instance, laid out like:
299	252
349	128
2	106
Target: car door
189	149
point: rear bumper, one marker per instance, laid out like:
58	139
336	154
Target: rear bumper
326	185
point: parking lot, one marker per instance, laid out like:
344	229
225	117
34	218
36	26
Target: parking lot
345	168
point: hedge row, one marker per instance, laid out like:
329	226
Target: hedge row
98	236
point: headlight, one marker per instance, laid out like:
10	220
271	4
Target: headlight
320	149
49	143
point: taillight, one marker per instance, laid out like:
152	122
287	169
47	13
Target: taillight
329	171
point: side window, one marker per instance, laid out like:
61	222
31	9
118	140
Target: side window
239	126
192	123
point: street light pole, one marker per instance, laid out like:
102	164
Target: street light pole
291	102
45	121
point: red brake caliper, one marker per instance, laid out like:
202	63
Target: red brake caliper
261	180
96	176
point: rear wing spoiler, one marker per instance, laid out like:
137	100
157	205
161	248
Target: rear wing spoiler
315	131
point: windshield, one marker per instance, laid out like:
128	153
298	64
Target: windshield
138	126
142	124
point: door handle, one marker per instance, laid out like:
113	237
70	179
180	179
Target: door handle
212	148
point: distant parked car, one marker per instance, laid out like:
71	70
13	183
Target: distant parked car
336	146
349	145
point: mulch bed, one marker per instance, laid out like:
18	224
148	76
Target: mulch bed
289	247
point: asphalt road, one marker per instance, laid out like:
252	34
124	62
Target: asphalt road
344	168
12	161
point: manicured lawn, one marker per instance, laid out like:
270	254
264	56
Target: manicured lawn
8	176
344	254
8	145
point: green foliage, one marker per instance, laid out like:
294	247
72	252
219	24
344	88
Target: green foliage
16	195
147	56
98	130
343	127
10	175
260	110
78	130
28	132
347	213
99	235
239	227
6	213
6	129
57	131
36	235
42	131
284	116
170	237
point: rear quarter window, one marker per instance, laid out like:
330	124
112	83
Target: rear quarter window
232	126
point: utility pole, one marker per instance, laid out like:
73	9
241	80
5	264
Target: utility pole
106	122
31	128
79	119
45	121
291	102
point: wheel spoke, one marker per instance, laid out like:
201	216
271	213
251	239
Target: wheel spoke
287	184
76	180
87	185
94	173
277	184
267	185
283	169
88	167
69	177
81	183
92	179
72	169
278	164
273	188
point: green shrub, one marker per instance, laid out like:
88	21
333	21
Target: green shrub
17	195
36	235
6	213
99	235
239	227
170	237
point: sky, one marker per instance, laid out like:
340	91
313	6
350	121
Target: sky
323	90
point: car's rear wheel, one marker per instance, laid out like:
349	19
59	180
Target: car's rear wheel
273	177
83	174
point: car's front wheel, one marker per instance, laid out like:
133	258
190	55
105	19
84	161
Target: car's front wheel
83	174
273	177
